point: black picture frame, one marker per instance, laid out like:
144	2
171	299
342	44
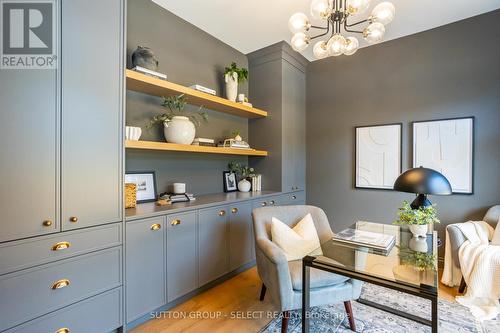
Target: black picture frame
152	196
473	143
227	177
400	124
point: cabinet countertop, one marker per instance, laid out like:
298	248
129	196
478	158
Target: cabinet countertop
150	209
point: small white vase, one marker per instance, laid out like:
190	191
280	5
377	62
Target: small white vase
418	244
419	230
231	86
244	185
179	130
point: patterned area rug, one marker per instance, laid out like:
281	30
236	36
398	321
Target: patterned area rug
453	318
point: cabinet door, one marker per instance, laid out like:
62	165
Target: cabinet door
92	70
240	235
28	151
145	266
213	244
182	254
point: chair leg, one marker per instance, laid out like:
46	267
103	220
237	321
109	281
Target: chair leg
350	316
461	289
284	321
262	292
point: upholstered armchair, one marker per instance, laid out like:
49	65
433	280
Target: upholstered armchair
457	238
283	279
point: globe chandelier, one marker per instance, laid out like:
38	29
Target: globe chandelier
338	15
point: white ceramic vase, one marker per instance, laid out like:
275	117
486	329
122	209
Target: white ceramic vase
419	230
179	130
244	185
133	133
231	86
418	244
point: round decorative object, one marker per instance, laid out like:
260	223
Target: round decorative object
418	244
179	130
144	57
244	185
419	230
231	86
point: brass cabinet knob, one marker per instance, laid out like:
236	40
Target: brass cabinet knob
60	284
62	330
175	222
272	202
222	213
60	246
294	197
234	210
263	204
155	226
47	223
73	219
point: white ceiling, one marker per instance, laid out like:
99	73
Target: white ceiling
253	24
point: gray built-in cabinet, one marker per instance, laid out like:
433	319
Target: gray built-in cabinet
278	84
61	232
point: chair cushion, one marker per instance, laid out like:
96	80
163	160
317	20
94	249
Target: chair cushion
318	278
296	242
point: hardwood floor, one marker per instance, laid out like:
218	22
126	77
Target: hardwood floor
237	296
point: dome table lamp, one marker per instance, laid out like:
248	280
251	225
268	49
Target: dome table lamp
422	181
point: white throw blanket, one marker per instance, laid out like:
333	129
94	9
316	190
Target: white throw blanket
480	266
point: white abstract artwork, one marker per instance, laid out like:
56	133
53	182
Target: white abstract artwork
446	146
378	156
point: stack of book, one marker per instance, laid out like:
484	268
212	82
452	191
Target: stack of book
173	198
203	89
232	143
377	242
256	183
150	72
203	142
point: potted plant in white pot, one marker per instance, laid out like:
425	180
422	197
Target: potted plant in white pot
232	76
418	219
242	172
177	126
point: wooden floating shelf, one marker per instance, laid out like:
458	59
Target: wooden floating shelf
153	145
157	87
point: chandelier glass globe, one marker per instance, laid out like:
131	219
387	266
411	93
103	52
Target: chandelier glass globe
336	45
299	41
298	22
320	50
355	7
374	32
351	46
383	13
320	9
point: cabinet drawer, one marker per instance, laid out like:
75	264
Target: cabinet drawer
30	293
30	252
98	314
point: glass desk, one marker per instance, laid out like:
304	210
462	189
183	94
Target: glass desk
410	267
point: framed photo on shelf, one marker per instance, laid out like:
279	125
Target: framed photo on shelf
146	185
229	179
447	145
378	151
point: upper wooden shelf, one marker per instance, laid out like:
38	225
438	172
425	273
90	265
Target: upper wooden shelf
153	145
157	87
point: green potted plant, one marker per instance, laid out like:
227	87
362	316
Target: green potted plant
417	219
421	261
177	126
232	76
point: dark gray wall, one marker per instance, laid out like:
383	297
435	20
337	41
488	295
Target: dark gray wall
451	71
187	55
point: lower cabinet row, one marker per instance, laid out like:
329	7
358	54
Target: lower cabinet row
168	257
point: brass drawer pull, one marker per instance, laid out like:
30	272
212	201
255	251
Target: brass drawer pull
222	213
294	197
60	246
47	223
234	210
272	202
62	330
73	219
60	284
175	222
263	204
156	226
